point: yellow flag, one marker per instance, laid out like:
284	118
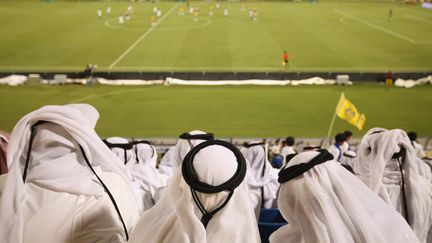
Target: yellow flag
348	112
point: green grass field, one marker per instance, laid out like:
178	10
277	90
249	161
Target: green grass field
228	111
336	36
325	36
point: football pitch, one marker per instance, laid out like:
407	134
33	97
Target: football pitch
323	36
228	111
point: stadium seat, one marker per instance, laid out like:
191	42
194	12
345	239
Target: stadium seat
269	221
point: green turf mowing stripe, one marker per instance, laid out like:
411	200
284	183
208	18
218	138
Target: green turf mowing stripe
229	111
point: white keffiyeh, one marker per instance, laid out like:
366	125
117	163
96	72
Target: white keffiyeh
173	160
144	168
261	176
60	187
328	204
142	192
376	168
176	218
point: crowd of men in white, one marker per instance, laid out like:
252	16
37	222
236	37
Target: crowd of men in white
65	184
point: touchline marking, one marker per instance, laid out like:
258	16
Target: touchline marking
141	38
377	27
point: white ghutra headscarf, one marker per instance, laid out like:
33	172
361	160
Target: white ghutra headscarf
177	217
145	169
57	168
124	150
261	176
323	202
385	173
174	157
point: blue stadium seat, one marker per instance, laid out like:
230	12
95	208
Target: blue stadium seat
269	221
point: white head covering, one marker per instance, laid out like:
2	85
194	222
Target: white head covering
120	152
261	173
169	165
56	162
143	193
176	217
144	168
328	204
381	173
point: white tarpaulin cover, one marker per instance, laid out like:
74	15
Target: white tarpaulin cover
409	83
13	80
128	81
310	81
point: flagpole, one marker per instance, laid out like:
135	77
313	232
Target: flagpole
331	126
333	119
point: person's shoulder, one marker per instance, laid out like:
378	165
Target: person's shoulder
417	144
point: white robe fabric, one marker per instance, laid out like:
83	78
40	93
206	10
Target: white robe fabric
337	153
348	158
176	218
261	179
173	160
419	149
4	140
376	168
287	150
165	165
328	204
3	178
62	201
142	192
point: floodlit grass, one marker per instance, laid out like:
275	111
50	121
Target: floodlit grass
358	36
228	111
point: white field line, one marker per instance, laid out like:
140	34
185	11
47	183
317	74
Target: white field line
108	25
342	20
141	38
402	37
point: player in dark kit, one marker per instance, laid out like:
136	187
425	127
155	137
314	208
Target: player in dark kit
390	14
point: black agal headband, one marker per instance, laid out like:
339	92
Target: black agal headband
291	172
249	145
125	146
205	136
191	177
